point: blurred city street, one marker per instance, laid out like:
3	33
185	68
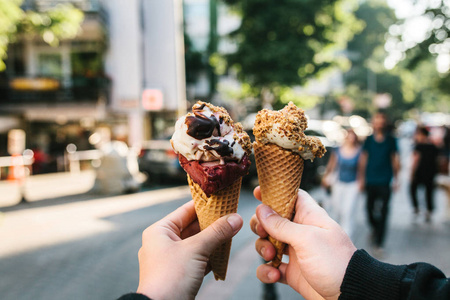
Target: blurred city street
97	134
67	243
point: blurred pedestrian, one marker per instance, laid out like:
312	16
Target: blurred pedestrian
424	169
345	191
379	168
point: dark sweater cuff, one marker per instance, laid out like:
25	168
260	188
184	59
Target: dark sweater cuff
134	296
368	278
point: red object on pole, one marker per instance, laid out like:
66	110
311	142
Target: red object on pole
17	169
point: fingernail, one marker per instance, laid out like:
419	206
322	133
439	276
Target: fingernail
263	249
234	221
266	211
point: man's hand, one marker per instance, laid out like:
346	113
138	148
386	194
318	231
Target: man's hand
174	256
318	249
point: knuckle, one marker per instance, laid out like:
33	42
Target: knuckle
221	232
280	224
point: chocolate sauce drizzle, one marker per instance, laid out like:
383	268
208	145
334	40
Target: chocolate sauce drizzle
200	126
221	147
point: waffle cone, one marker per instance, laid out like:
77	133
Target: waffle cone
211	208
279	173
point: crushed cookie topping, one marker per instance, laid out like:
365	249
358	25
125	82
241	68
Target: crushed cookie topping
241	137
288	123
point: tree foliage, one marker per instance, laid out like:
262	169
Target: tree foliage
283	43
434	17
61	22
368	76
10	15
409	89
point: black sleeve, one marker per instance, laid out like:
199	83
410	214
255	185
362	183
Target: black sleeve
134	296
368	278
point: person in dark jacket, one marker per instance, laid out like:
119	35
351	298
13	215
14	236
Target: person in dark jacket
323	262
424	170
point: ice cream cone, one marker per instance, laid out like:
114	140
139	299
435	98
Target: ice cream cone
211	208
279	173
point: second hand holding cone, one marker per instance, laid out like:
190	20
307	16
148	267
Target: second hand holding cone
280	149
279	173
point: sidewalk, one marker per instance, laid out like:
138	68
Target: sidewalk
46	186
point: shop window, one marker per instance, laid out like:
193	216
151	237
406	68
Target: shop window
50	65
87	64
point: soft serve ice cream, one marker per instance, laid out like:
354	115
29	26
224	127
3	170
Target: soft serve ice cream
212	149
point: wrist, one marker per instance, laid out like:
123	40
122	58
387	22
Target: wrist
151	292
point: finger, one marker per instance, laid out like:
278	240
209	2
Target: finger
257	228
180	218
268	274
257	193
217	233
282	268
308	212
192	229
277	227
265	249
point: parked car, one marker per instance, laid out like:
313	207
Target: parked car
158	160
313	170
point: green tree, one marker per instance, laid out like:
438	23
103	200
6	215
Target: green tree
61	22
368	75
414	50
10	15
193	60
283	43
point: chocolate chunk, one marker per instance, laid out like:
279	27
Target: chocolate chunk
201	127
221	147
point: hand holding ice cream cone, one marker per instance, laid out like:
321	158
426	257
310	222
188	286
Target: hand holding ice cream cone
214	151
280	150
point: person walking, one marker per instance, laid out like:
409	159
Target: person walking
423	171
345	191
379	167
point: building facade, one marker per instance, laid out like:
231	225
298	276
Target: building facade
124	70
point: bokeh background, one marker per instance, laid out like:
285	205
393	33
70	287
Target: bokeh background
90	91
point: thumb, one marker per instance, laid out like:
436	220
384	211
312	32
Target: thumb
217	233
276	226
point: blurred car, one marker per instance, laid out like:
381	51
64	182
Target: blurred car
331	135
158	160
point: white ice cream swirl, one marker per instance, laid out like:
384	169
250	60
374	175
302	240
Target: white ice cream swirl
208	135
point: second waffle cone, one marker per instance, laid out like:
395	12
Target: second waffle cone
208	210
279	174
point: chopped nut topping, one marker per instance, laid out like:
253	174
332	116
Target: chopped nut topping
289	122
